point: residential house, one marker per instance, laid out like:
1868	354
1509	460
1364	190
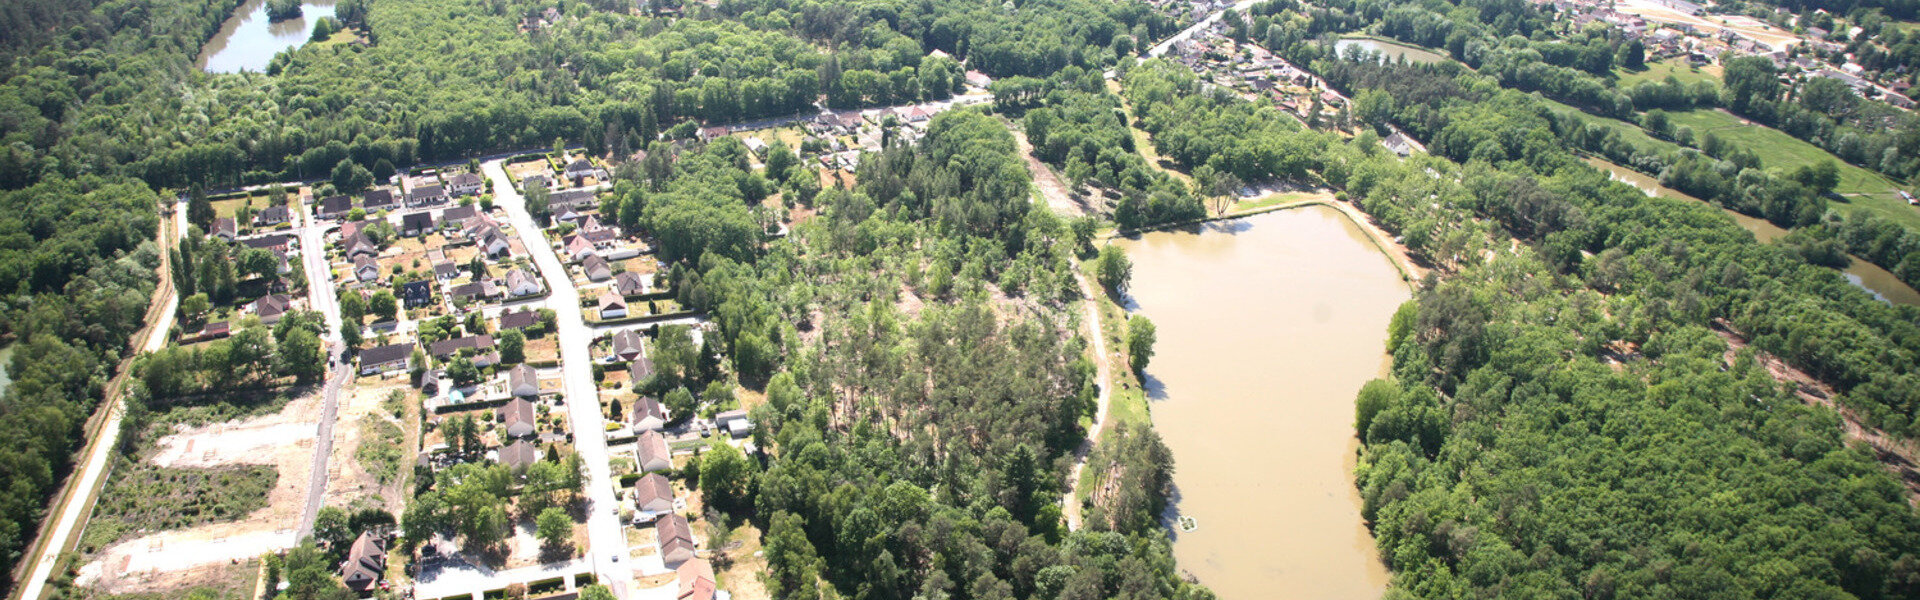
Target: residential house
489	239
465	184
446	271
577	247
648	414
601	238
386	359
612	306
427	195
361	245
523	381
366	563
483	289
653	494
581	168
651	450
335	207
521	283
519	319
520	454
519	417
225	229
272	215
640	370
627	344
416	294
734	422
365	268
596	268
577	200
278	242
270	307
675	538
445	349
417	223
630	284
696	580
453	218
378	200
1398	143
535	181
757	146
708	134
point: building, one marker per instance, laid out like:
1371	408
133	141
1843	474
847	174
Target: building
446	271
581	168
386	359
627	344
612	306
536	181
360	245
520	319
272	215
278	242
734	422
483	289
335	207
640	370
651	450
465	184
225	229
416	294
522	283
378	200
270	307
523	381
653	494
675	538
418	223
630	284
366	563
577	247
489	239
453	218
519	455
444	349
696	580
365	268
648	414
708	134
518	415
427	195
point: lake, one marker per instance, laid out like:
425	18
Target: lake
247	41
1883	284
1390	50
1267	327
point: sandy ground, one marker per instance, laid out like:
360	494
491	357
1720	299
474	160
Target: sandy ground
1055	192
347	480
1654	10
173	559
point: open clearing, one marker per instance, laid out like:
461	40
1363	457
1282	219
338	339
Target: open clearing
1863	189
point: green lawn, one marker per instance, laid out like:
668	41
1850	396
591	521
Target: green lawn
1633	134
1863	189
1658	71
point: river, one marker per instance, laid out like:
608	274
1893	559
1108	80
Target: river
1267	327
1883	284
247	41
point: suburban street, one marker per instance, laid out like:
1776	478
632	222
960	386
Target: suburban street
607	540
320	294
1167	44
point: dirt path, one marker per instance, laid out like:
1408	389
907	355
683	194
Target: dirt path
1104	373
1055	193
1899	457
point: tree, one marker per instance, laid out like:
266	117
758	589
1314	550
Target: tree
353	309
349	177
513	346
1373	107
537	198
1140	338
384	305
596	592
462	371
1113	269
1632	55
554	528
332	531
726	477
780	159
194	307
680	402
302	357
1820	177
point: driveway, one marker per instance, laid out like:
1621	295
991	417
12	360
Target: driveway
606	536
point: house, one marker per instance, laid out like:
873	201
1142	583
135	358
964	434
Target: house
520	319
523	381
416	294
483	289
426	195
757	146
651	450
465	184
596	268
640	370
581	168
648	414
272	243
612	306
1398	143
366	563
416	224
335	207
365	268
378	200
630	284
386	359
522	283
490	240
675	537
269	308
518	415
272	215
696	580
734	422
577	247
447	348
627	344
519	455
446	270
453	218
225	229
576	200
708	134
360	245
602	238
653	494
535	181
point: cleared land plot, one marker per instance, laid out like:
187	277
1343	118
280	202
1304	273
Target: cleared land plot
1679	69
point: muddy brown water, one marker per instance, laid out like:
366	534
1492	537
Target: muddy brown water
247	41
1268	325
1883	284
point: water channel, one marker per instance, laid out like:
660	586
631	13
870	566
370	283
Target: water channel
1268	326
1883	284
247	41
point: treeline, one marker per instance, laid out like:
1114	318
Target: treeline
251	358
1827	113
1080	128
77	261
1575	385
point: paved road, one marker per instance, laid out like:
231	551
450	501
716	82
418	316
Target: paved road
75	511
606	537
1167	44
320	297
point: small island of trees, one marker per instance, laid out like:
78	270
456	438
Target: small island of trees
281	10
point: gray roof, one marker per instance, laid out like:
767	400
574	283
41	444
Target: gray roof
520	454
386	354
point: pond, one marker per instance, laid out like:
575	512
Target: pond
247	41
1267	328
1390	50
1883	284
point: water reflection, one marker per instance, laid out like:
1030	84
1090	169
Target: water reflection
247	41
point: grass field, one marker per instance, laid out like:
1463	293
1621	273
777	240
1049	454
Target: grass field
1863	189
1658	71
1633	134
